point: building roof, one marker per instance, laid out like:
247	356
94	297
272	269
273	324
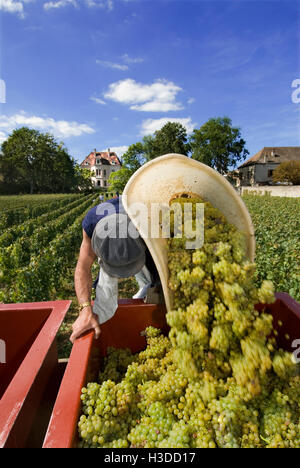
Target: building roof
107	157
275	154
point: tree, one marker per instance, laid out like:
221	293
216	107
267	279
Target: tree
287	172
132	160
34	162
218	144
20	158
171	138
83	178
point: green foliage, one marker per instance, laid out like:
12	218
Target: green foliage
34	162
277	225
26	228
18	209
133	159
218	144
83	178
287	172
171	138
32	268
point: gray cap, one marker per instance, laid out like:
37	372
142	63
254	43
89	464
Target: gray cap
119	246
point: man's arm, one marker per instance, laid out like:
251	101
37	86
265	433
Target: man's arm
83	287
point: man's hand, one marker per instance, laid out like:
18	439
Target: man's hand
86	321
83	286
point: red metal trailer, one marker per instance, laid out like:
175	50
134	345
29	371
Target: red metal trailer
29	370
122	331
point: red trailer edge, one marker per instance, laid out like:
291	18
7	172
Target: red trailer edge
29	331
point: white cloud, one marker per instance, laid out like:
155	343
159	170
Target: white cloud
17	6
191	100
14	6
159	96
3	137
98	101
116	66
149	126
59	128
100	3
108	4
59	4
129	59
119	150
11	6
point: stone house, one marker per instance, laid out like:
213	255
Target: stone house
101	165
258	169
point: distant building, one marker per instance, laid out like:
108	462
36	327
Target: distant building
101	165
258	169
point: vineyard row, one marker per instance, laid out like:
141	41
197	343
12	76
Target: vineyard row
44	273
11	214
26	229
18	254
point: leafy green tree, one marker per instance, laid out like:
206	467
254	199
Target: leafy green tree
171	138
218	144
34	162
83	178
20	158
117	180
288	171
132	160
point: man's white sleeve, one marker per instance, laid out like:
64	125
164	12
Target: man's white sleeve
106	302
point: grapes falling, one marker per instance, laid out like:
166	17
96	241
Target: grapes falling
218	379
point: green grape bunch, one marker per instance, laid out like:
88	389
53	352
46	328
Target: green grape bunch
218	380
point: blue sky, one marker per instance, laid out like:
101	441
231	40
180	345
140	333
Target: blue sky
103	73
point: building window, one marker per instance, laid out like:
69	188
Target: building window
98	161
98	183
270	172
104	172
105	183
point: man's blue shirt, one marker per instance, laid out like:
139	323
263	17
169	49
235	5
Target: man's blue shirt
100	211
